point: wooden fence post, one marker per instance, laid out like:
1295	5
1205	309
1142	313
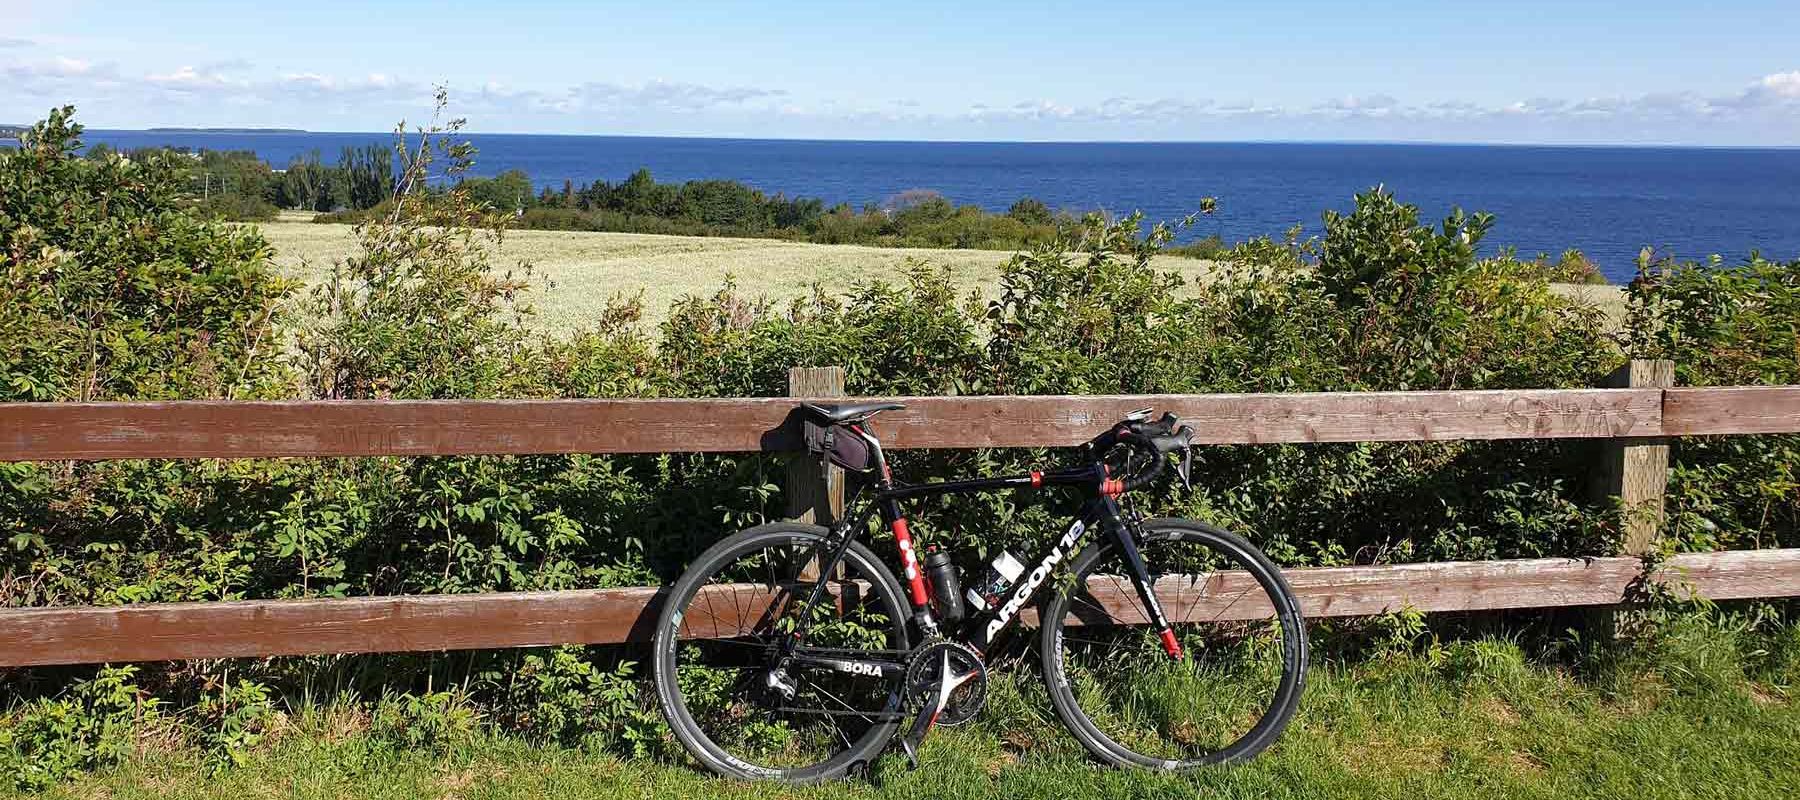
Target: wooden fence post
812	496
1636	470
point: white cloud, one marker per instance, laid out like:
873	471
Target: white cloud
1781	88
1766	109
1372	105
1784	84
617	99
195	79
667	96
56	76
1112	109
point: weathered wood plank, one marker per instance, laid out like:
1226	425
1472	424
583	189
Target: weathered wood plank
1711	410
1733	574
154	632
1362	591
220	429
175	631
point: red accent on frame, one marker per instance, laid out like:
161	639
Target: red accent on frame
915	579
1170	644
1112	487
1037	479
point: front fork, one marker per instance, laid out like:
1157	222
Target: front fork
1124	532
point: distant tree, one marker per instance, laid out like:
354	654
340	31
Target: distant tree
918	207
912	198
801	212
309	184
723	204
1031	211
509	191
641	194
369	174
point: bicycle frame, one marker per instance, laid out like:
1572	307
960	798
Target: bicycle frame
983	630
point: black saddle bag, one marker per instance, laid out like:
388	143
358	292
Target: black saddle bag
839	446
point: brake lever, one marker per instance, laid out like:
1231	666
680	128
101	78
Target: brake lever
1186	468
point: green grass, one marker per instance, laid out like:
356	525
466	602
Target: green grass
1472	720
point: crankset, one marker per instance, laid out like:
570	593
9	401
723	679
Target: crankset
949	682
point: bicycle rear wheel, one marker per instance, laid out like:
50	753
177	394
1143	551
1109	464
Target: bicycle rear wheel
1112	681
715	647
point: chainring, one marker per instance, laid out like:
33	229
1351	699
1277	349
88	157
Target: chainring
924	674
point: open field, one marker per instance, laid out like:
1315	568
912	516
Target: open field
1472	720
587	269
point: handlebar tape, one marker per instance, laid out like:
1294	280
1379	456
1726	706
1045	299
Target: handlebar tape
1159	445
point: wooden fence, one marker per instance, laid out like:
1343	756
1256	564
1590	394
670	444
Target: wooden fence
1635	419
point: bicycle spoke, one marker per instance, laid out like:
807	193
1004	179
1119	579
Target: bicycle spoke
1120	679
800	715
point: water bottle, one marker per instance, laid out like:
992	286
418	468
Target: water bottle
945	593
1003	572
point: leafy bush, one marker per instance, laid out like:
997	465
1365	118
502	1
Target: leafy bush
233	720
93	725
112	290
1209	248
433	720
566	698
1722	326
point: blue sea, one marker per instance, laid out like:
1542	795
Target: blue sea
1610	202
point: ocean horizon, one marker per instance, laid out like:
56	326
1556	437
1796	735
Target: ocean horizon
1609	201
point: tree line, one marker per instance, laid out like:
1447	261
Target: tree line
642	204
237	185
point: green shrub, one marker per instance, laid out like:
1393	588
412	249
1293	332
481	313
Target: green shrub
433	720
236	208
233	719
1723	326
562	697
112	290
91	726
1210	248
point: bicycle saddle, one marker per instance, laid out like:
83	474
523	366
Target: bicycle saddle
838	413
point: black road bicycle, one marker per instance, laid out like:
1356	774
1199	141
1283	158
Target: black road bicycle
789	651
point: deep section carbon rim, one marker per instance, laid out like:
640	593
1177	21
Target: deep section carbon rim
1112	681
811	718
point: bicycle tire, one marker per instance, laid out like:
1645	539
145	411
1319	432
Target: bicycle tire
1284	699
667	641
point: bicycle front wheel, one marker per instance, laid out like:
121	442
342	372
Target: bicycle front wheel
738	711
1243	664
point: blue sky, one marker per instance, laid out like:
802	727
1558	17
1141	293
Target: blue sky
1652	71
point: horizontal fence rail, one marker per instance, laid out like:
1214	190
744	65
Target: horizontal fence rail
175	631
229	429
1637	420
